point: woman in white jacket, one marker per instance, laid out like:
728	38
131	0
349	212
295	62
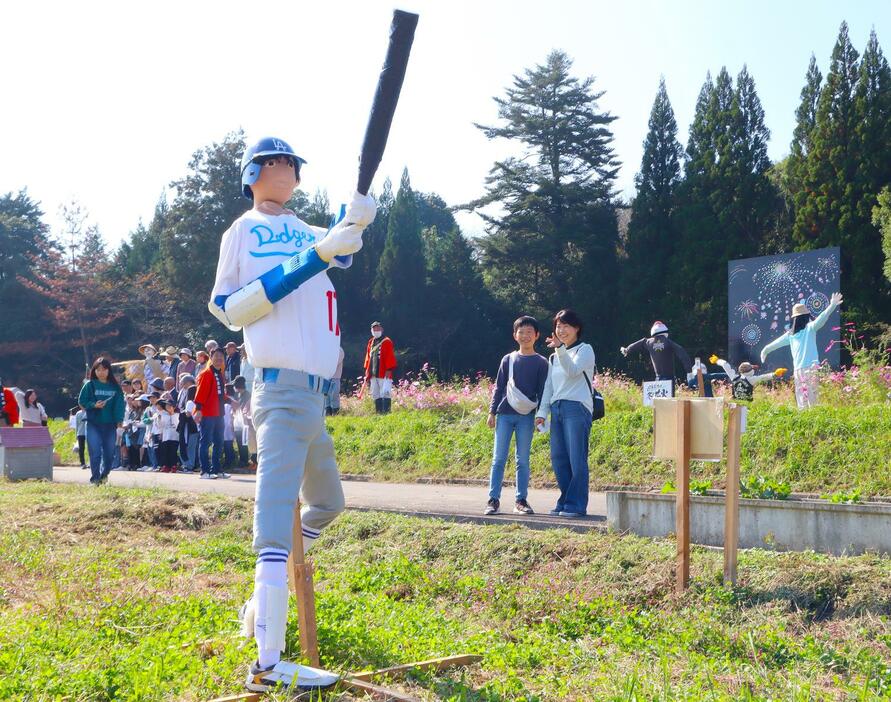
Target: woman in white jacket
569	399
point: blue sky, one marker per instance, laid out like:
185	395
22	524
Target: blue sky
106	101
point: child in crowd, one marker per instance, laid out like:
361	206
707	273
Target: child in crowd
229	458
80	431
190	429
167	423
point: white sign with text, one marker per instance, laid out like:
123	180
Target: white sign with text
654	389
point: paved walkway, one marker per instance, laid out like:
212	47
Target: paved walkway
453	502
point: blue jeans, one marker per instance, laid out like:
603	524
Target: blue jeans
523	426
211	431
570	429
102	445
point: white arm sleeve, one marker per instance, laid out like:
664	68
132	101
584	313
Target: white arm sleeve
582	363
728	369
821	320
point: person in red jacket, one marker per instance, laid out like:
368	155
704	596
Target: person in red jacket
9	407
380	361
210	398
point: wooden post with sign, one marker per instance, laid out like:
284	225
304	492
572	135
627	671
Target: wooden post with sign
301	581
682	487
731	504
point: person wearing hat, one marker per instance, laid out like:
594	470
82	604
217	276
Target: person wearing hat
210	345
172	357
152	367
187	366
233	361
380	362
663	353
801	338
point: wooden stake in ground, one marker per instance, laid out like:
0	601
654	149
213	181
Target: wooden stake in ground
700	381
682	486
301	581
731	505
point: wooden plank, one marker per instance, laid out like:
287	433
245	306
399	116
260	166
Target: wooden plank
682	500
700	381
433	664
302	582
377	692
731	504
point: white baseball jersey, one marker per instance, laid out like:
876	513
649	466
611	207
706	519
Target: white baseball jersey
301	332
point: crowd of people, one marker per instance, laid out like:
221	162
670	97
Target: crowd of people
189	412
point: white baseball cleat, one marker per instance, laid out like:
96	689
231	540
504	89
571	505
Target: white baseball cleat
288	675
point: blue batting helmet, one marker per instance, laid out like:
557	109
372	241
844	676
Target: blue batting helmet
251	162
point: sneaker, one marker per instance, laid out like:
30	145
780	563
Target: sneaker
522	507
144	469
572	515
555	512
83	467
492	506
208	476
287	675
223	476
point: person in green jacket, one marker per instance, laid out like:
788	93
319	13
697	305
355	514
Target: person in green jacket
103	400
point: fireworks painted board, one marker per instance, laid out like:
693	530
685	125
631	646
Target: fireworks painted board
760	295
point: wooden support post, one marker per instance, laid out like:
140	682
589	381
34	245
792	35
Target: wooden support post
700	381
731	506
301	581
682	504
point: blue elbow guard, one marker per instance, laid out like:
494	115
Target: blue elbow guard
291	274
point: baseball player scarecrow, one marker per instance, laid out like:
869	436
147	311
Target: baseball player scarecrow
272	281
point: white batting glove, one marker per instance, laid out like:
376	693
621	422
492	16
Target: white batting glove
623	350
361	210
342	240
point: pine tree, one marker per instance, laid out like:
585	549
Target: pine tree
845	170
873	133
555	245
728	206
651	232
399	285
806	116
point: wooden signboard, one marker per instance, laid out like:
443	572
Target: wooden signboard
706	428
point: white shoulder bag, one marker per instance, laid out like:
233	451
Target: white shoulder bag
515	398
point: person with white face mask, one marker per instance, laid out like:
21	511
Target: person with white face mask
380	362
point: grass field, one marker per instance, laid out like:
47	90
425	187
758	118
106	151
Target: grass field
113	594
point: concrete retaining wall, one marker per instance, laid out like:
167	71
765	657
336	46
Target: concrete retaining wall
782	525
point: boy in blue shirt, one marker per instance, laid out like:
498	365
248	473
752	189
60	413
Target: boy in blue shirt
518	389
